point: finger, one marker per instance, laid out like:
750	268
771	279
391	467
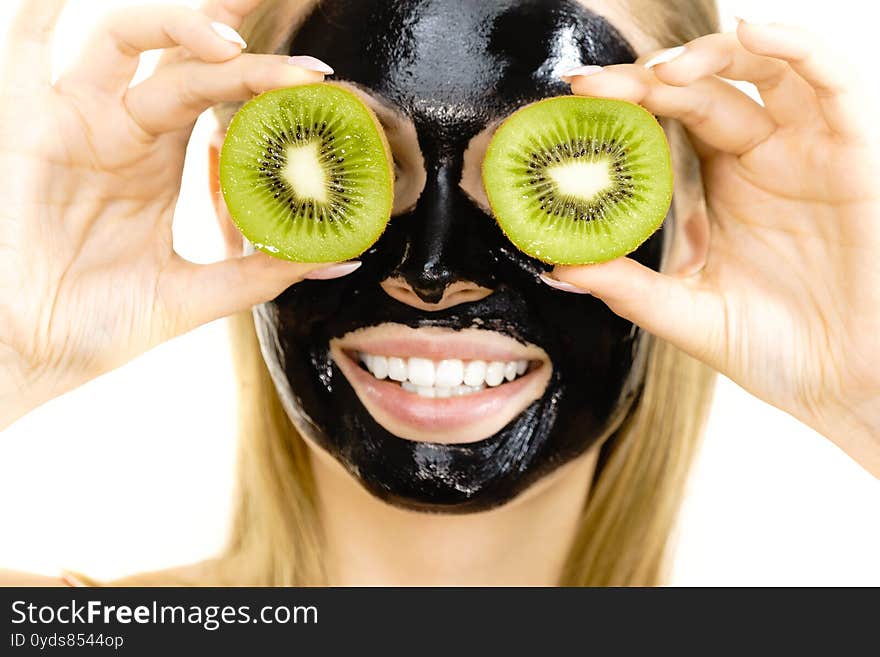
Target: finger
175	96
195	294
787	97
228	12
833	86
28	51
111	57
719	116
656	302
231	12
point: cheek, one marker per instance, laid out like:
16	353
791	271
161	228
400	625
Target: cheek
599	355
294	349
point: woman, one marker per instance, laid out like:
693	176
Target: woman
575	473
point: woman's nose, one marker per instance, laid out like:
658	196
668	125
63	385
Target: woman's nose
453	294
445	260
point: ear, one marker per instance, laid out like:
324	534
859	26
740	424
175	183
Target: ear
690	245
231	236
690	240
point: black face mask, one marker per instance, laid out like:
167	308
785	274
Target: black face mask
453	67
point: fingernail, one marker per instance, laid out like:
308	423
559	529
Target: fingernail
665	56
581	71
334	271
310	64
228	33
559	285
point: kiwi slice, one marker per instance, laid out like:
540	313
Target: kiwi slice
575	180
307	174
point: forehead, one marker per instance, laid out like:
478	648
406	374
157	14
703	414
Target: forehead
468	57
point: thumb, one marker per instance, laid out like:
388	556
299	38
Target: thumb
676	309
196	294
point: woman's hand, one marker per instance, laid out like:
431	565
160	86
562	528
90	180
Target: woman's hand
90	172
787	303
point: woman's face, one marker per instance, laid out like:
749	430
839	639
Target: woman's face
443	285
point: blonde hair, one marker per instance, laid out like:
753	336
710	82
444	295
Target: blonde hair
630	513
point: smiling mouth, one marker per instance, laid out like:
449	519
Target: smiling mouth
443	379
441	385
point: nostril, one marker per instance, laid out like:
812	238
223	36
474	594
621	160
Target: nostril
404	292
433	294
432	299
429	285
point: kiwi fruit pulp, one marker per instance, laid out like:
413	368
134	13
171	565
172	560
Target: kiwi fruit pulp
576	180
307	174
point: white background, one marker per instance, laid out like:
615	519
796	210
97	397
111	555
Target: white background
133	471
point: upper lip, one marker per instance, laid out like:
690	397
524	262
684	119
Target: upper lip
438	343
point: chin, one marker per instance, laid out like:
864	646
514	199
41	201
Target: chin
452	477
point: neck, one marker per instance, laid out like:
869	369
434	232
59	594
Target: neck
522	543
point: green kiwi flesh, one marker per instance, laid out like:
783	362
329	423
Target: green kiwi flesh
575	180
306	174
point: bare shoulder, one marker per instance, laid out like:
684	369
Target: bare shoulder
13	578
209	572
202	573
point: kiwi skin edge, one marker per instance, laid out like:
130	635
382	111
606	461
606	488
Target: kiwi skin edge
389	156
562	261
388	161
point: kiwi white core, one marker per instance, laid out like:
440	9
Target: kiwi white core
583	180
304	172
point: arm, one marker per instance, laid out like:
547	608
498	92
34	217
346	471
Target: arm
90	176
787	303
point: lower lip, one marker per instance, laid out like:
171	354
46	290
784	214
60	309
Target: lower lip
437	417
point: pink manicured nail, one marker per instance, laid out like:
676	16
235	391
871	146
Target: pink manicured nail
228	33
665	56
310	64
581	71
559	285
334	271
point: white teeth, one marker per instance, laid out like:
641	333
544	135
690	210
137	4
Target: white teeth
450	373
397	369
451	377
494	373
426	391
475	373
441	392
459	391
421	371
379	367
